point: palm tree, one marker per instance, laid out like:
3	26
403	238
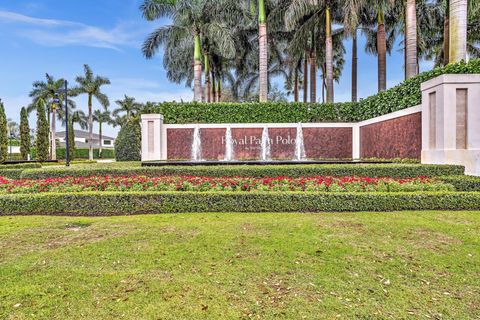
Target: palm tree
458	30
101	117
79	117
411	63
192	21
48	90
263	51
91	86
128	106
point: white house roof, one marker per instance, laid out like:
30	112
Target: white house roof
84	135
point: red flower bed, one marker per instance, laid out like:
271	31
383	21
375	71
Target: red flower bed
203	184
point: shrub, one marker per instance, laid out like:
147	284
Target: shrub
25	142
463	183
336	170
128	144
104	203
3	134
12	171
222	184
81	153
71	141
42	132
407	94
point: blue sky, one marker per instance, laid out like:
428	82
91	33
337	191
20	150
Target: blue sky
59	37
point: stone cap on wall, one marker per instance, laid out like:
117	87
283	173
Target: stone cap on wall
451	78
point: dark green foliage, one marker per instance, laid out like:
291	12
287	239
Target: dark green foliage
405	95
42	132
463	183
339	170
80	153
127	203
3	134
25	142
71	141
14	171
128	144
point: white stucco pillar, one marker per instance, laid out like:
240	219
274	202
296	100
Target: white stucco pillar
151	137
451	121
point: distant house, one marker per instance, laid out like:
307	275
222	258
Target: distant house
81	140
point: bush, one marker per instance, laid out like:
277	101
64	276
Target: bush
463	183
81	153
42	143
405	95
25	142
128	144
104	203
3	134
14	171
336	170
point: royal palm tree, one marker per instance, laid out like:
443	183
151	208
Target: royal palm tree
263	52
48	90
127	107
101	117
411	54
91	86
191	21
79	117
458	30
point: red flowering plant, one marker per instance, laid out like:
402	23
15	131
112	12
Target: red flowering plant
222	184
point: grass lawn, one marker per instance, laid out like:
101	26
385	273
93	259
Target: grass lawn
402	265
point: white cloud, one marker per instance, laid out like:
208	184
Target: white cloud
52	32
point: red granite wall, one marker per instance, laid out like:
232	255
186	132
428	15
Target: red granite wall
397	138
179	144
320	143
328	143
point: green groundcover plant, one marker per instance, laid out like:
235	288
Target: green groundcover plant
222	184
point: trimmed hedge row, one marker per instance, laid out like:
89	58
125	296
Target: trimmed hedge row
81	153
20	166
14	171
463	183
108	203
368	170
405	95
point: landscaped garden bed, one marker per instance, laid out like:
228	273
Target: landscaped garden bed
124	189
222	184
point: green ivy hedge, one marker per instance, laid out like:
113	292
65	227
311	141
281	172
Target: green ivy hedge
405	95
91	204
81	153
368	170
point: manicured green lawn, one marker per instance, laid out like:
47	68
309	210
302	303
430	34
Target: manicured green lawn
402	265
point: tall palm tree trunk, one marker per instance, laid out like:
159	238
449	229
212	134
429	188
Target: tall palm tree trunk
219	88
458	30
197	88
53	136
446	35
329	56
263	51
313	77
100	134
208	86
411	39
295	85
90	128
354	68
382	52
213	86
305	78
